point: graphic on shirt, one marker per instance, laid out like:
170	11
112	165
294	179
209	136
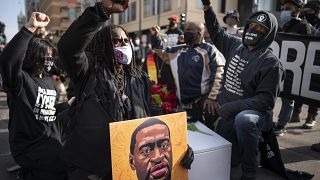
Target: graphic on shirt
44	109
233	81
172	39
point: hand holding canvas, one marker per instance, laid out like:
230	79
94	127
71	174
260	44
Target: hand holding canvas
188	158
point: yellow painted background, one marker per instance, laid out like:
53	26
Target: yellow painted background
120	137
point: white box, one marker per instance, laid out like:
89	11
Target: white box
212	155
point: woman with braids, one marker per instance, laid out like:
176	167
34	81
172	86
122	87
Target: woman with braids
33	130
108	85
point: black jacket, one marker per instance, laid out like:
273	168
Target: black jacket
252	78
89	146
297	26
32	110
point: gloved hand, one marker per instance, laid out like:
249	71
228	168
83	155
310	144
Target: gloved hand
206	2
188	158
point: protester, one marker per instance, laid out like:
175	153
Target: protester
3	42
173	31
175	36
100	62
251	84
33	129
311	11
231	19
290	11
198	74
3	38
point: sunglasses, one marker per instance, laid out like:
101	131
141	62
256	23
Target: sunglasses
120	40
51	59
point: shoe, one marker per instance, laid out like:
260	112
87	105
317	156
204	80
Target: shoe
316	147
279	131
295	117
310	121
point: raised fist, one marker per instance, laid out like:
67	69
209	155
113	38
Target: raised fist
38	20
206	2
155	30
115	6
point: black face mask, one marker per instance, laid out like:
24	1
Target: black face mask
188	37
310	17
171	24
252	37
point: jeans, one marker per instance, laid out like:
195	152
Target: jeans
285	112
243	131
311	110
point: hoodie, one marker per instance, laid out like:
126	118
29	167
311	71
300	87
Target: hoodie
252	78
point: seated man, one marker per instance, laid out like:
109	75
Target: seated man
251	84
197	68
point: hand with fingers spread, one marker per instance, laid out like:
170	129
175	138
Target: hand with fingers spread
211	106
37	20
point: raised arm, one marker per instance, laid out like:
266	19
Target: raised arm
158	45
13	55
73	43
223	41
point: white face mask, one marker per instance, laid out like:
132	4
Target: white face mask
48	65
285	16
123	54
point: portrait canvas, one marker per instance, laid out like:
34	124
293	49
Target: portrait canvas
149	148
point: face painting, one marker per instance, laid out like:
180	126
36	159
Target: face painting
152	156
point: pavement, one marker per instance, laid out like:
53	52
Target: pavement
294	145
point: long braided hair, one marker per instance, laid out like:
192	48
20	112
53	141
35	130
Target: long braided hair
102	50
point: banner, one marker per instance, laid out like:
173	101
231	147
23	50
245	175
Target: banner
300	57
149	148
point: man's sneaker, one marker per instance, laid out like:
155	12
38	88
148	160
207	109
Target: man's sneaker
316	147
310	121
279	131
295	117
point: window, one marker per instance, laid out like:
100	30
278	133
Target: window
165	5
129	15
150	7
199	4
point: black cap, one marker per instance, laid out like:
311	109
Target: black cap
231	13
299	3
313	5
260	18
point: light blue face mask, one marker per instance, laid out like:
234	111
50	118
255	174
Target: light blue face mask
285	16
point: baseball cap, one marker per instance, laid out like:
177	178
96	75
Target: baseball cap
299	3
231	13
261	18
313	5
174	18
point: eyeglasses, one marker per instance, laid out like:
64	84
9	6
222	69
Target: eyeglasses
118	41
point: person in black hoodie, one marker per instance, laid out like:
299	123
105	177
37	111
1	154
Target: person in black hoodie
101	59
251	84
34	140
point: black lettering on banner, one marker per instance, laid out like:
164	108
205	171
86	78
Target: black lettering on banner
300	57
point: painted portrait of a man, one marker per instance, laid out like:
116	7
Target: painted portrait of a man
151	150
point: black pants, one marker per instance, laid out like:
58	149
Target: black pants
43	161
312	108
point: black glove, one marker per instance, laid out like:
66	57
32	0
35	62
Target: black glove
188	158
206	2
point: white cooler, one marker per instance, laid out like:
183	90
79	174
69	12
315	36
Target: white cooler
212	155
